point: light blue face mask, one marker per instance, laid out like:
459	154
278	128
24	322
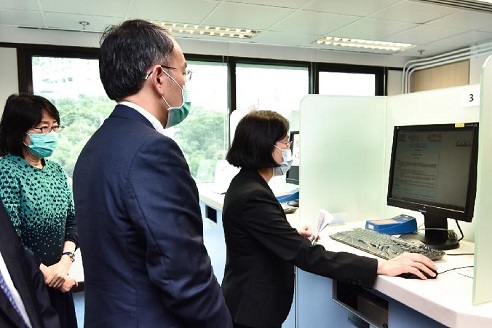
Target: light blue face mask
286	162
177	115
42	145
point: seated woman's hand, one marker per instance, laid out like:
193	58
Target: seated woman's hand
407	263
305	231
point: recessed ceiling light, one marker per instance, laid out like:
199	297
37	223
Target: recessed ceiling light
364	44
208	30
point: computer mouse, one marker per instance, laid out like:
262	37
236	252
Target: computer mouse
294	203
408	275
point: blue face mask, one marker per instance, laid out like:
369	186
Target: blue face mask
177	115
42	145
286	162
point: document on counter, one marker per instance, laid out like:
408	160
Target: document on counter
323	220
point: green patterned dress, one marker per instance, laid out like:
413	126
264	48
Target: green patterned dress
40	204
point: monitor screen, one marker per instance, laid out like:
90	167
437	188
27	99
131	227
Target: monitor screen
433	170
293	174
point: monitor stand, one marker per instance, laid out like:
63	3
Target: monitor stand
436	236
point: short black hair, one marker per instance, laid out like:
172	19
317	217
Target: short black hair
22	112
254	139
127	52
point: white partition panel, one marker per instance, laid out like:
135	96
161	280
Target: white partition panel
450	105
342	156
482	288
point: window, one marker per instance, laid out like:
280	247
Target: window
350	80
73	86
271	87
69	77
347	84
203	135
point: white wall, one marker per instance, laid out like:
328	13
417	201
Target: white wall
8	78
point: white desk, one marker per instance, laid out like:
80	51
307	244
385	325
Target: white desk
446	300
210	198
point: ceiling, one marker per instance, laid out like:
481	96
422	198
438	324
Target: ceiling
434	28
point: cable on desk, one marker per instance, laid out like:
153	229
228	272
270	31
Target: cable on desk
463	267
457	254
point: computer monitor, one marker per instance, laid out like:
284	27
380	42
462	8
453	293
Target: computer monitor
433	170
293	174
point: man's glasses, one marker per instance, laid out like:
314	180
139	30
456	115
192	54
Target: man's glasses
47	129
187	74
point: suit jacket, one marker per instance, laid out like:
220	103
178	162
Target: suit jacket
28	280
141	231
262	250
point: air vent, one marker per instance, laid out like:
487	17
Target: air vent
54	29
477	5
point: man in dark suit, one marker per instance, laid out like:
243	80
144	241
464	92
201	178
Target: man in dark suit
137	210
22	269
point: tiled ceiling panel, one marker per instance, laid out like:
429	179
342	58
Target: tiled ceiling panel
258	17
25	17
182	11
373	29
313	22
414	12
431	27
354	7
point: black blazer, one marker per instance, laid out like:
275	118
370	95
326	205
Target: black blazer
262	249
28	280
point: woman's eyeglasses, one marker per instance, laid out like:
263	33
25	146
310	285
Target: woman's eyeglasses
47	129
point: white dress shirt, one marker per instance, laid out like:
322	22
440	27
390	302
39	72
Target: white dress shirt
13	291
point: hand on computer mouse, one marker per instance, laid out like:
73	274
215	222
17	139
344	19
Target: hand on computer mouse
410	263
414	276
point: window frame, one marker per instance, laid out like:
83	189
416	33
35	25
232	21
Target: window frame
25	52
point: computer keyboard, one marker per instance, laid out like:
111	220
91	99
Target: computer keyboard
382	245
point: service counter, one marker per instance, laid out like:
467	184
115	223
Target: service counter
393	302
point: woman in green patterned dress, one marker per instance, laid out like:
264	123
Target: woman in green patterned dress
37	196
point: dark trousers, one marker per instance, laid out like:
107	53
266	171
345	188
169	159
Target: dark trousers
63	304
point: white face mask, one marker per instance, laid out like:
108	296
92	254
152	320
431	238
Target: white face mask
286	162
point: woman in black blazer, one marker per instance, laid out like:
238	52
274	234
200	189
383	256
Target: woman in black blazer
262	247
